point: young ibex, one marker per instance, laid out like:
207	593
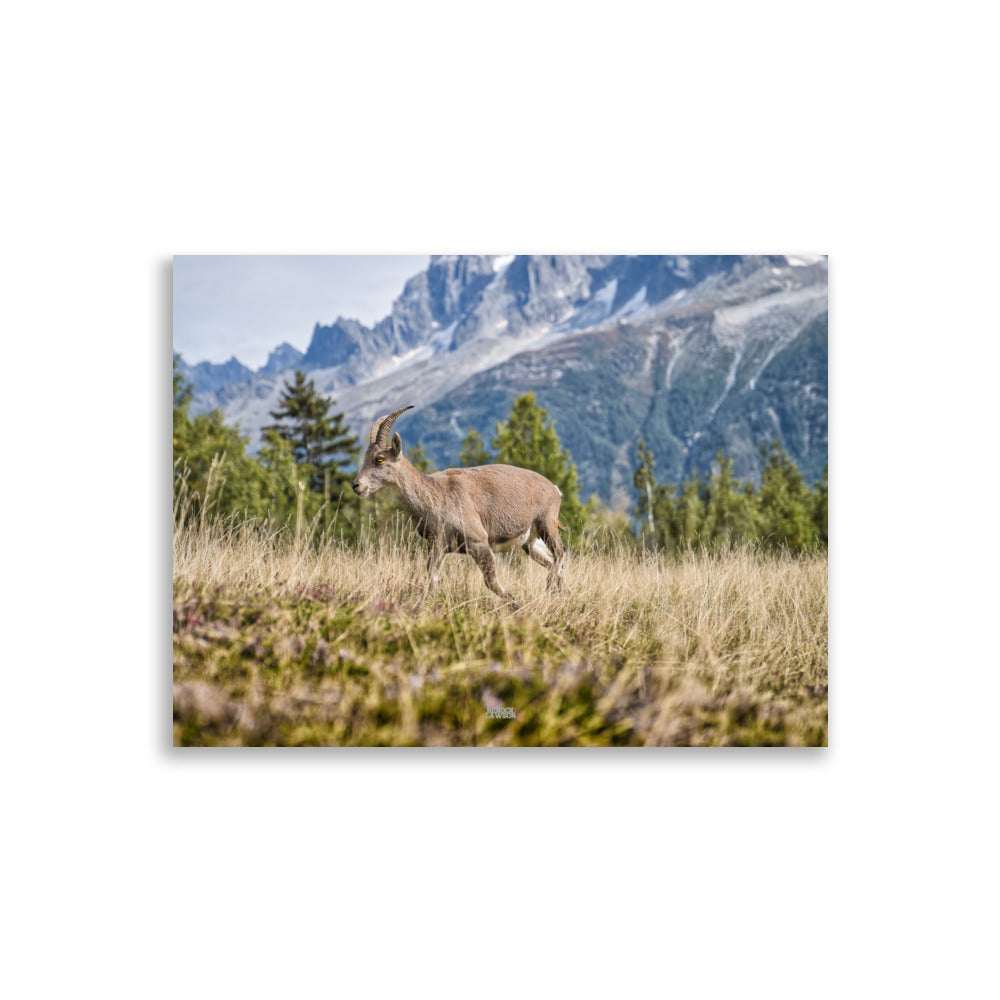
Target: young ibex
475	511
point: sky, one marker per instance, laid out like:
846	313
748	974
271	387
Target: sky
248	305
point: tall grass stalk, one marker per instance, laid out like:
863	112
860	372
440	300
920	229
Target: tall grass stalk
278	641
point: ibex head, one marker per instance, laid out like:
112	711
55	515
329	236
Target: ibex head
379	466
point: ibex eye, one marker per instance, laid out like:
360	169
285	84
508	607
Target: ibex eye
379	460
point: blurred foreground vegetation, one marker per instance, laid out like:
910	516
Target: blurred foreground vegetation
304	645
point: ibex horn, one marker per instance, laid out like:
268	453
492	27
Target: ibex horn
382	426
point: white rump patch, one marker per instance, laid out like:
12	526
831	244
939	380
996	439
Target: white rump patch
513	543
541	550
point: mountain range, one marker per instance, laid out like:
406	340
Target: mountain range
695	354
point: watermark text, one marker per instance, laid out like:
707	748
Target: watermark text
501	712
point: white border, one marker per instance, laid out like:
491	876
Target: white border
139	133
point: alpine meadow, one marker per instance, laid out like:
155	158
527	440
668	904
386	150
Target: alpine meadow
679	407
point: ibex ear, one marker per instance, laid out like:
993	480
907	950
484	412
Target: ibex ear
397	445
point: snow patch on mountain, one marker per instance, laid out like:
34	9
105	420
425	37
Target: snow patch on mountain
731	319
441	340
634	306
596	309
416	354
647	363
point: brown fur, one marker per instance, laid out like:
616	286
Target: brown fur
471	511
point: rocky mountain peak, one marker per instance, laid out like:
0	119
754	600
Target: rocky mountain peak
335	344
282	358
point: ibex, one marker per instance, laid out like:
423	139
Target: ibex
475	511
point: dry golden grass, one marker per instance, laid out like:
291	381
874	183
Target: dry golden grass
282	644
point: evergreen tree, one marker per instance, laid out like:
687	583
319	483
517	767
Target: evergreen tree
211	466
820	504
724	512
688	516
730	514
418	457
665	504
281	477
528	439
645	483
661	526
473	451
321	443
183	391
606	529
785	503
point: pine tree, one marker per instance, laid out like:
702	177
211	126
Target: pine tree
183	390
665	505
786	505
418	458
724	512
211	467
658	505
729	515
528	439
689	513
645	483
183	393
321	443
820	506
606	529
473	450
281	477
